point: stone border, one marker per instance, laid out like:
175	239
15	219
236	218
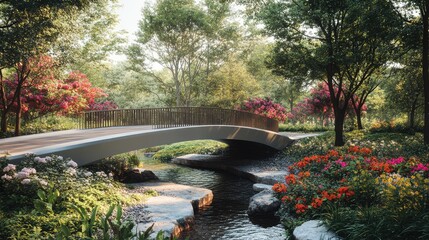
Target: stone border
172	211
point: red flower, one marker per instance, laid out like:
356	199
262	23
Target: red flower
279	188
290	179
316	203
300	208
286	199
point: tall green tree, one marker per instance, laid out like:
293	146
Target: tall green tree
348	40
189	39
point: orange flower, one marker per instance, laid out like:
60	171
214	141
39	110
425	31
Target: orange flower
316	203
279	188
353	149
365	151
300	208
346	191
304	174
333	153
290	179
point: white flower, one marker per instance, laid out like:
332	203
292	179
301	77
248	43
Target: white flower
101	174
22	175
41	160
37	159
6	177
87	174
60	158
72	163
9	167
43	182
71	171
29	170
48	158
110	175
26	181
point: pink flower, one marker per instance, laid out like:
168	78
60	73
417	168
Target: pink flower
419	167
22	175
26	181
6	177
395	161
9	167
341	163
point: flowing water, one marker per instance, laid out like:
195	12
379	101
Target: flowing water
226	217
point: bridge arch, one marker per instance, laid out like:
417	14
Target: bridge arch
89	150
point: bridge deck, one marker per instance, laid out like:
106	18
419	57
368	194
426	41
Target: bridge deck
89	145
26	144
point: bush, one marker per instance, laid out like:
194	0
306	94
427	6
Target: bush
189	147
117	165
264	107
302	128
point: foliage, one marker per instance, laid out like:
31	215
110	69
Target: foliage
264	107
39	195
230	85
190	40
117	165
198	147
355	181
302	128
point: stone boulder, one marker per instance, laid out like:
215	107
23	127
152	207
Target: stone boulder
259	187
136	176
263	204
314	229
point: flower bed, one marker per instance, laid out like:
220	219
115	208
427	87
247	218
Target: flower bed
390	193
51	198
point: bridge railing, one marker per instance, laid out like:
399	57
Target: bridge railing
174	117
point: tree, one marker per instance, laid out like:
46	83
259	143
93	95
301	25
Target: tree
27	29
189	40
230	85
45	92
409	16
405	91
347	40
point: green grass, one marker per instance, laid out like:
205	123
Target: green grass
287	127
198	147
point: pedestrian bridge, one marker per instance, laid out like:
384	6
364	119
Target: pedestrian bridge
105	133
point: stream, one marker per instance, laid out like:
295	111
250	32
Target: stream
226	217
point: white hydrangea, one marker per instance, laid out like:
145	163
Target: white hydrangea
6	177
87	174
101	174
72	163
9	167
26	181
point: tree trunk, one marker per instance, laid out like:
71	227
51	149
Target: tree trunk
4	121
18	112
358	112
339	127
411	115
425	63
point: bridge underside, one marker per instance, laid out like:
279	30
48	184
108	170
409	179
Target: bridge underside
95	148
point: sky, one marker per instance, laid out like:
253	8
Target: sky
129	13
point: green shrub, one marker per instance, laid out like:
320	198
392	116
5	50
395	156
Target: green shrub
182	148
116	165
302	128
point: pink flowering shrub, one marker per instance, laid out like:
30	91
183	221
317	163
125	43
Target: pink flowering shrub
264	107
